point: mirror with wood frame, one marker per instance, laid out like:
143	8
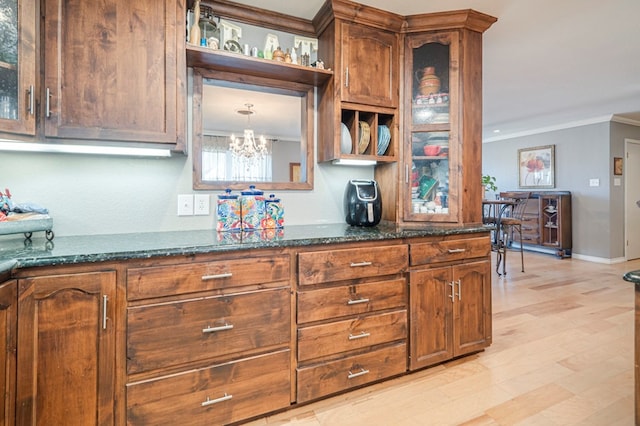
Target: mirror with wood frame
228	109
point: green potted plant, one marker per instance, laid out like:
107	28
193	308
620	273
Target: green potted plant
488	184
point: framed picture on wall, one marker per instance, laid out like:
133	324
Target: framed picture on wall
617	166
536	167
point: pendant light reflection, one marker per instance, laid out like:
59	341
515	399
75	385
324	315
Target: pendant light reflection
247	147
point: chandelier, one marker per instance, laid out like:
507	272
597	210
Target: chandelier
247	147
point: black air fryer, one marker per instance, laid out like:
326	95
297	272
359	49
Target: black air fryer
362	203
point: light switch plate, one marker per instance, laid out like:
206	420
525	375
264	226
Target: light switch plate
594	182
185	204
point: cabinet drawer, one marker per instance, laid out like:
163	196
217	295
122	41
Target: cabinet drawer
342	336
216	395
328	303
335	265
174	333
444	251
158	281
335	376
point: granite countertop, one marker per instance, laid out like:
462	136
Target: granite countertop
16	253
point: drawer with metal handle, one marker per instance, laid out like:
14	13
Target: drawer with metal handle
170	280
203	328
341	301
449	250
323	379
220	394
342	336
343	264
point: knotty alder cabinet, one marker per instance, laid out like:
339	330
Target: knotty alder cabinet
8	342
352	317
450	299
362	45
111	72
208	342
66	349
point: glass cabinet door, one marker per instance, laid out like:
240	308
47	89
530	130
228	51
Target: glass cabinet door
431	157
17	66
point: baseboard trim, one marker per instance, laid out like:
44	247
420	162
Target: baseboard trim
598	259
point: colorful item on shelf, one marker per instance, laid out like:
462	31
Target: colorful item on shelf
365	137
384	137
429	82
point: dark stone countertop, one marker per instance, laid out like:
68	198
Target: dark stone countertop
634	277
16	253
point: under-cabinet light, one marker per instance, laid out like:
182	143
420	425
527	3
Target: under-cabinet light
354	162
8	145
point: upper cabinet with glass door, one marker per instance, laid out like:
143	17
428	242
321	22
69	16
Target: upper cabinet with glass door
443	118
17	66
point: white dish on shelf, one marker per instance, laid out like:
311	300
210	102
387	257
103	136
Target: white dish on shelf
345	139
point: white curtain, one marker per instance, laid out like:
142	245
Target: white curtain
218	163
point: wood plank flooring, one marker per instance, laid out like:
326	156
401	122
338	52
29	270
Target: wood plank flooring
562	354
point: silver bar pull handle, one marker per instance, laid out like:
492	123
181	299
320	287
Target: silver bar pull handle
406	173
48	103
452	295
208	402
359	336
459	289
219	328
357	301
460	250
31	100
346	77
216	276
105	299
356	264
362	372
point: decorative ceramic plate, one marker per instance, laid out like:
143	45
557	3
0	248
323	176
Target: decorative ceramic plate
365	137
233	46
345	139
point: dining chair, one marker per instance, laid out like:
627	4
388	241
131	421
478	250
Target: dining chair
511	220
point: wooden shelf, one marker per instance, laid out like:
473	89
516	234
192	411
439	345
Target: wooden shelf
222	60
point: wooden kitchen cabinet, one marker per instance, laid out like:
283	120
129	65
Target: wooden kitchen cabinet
209	340
66	349
363	45
8	341
351	318
114	71
450	305
440	172
18	70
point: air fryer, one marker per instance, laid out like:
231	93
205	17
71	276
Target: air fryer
362	203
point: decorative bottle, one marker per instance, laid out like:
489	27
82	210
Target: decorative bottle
194	34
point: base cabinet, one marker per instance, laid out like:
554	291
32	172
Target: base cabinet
8	336
66	349
450	308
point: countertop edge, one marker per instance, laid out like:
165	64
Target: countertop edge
30	257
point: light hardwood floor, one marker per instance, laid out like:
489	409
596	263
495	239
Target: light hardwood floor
562	354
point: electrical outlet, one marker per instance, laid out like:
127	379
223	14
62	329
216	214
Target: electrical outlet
594	182
185	204
201	204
